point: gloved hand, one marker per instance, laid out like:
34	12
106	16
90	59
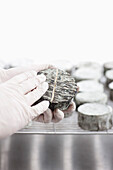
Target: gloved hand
9	73
16	97
56	115
48	115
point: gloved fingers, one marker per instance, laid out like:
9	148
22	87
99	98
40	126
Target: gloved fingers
36	94
41	78
19	70
71	108
42	67
30	84
40	118
58	115
24	76
48	115
39	108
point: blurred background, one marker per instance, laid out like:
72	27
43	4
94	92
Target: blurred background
47	30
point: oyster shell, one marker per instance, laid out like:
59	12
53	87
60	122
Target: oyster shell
65	89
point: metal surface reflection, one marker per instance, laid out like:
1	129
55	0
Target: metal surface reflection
67	156
56	152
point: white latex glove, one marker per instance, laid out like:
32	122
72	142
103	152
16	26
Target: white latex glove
47	116
16	97
55	116
9	73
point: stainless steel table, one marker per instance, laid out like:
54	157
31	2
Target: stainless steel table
57	152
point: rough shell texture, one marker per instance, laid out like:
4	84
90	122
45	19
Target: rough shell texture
88	64
108	66
90	97
95	117
111	90
93	123
109	76
90	86
87	74
65	90
111	95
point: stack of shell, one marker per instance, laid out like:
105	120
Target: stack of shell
90	89
108	71
87	71
111	90
109	77
93	112
108	66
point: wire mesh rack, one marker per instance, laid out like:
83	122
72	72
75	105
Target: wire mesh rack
67	126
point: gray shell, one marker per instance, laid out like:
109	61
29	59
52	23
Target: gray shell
65	91
87	73
108	66
109	76
95	116
91	97
90	86
88	64
111	95
111	90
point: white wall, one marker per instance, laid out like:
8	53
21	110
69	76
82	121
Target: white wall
56	29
